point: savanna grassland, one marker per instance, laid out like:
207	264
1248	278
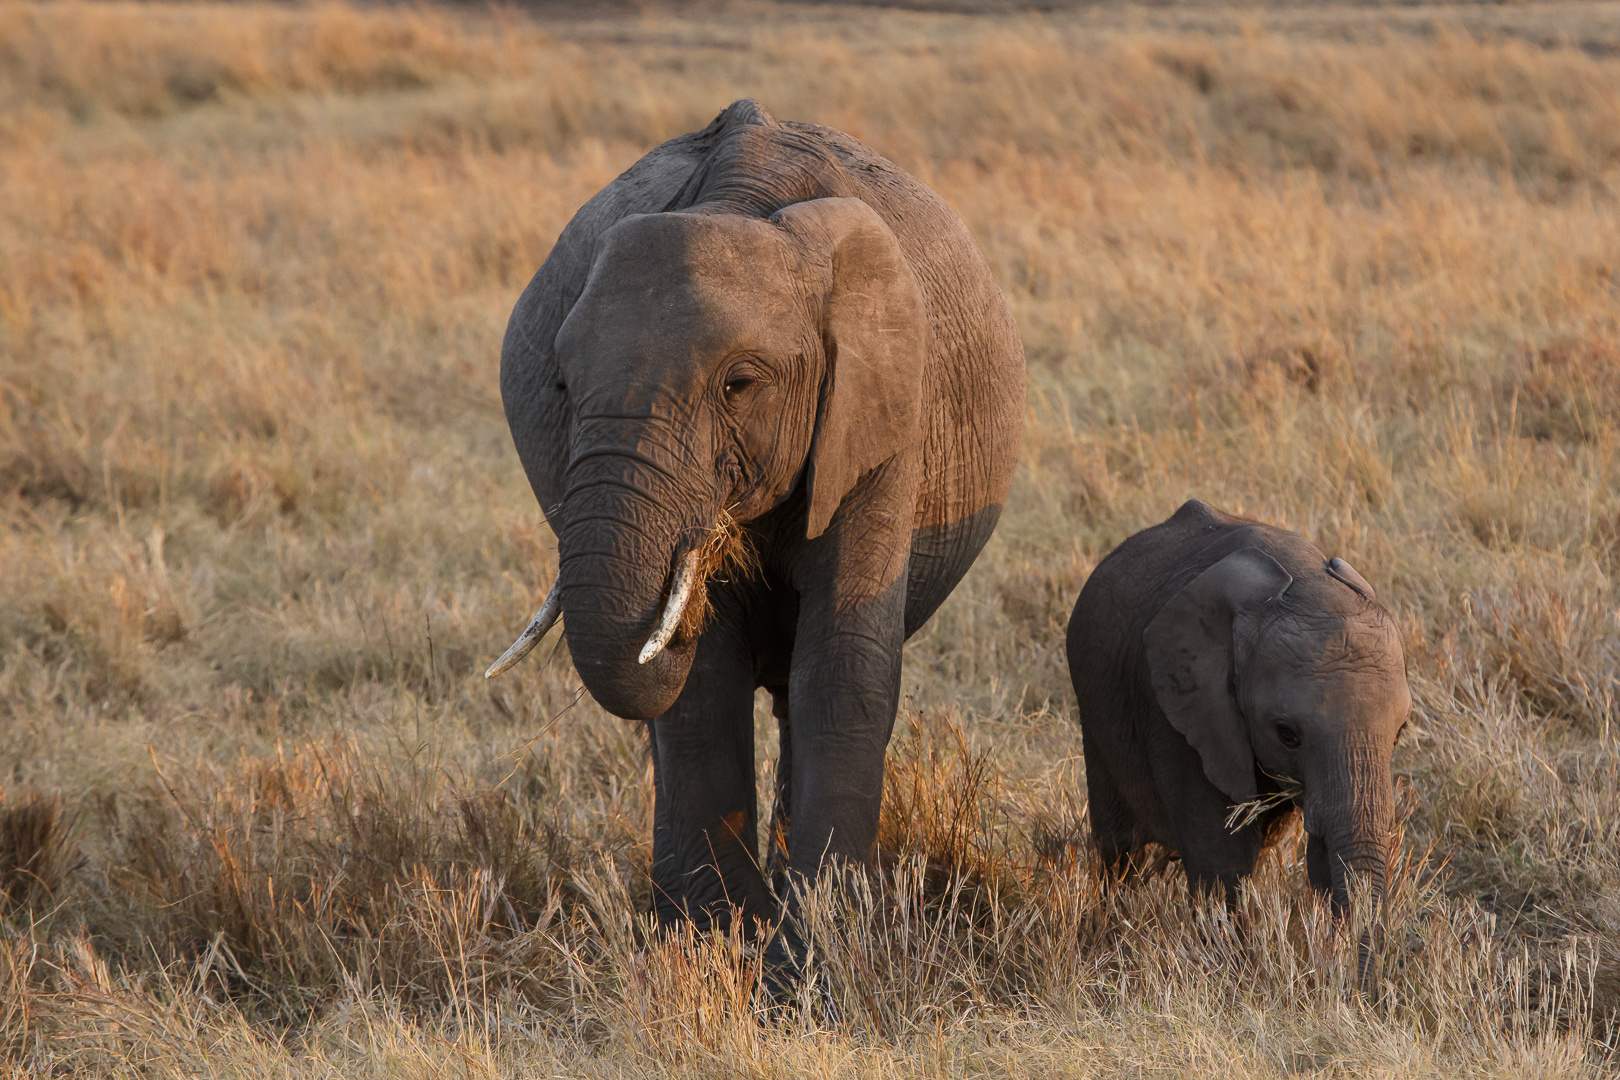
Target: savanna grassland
261	528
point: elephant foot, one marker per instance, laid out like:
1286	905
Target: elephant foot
786	958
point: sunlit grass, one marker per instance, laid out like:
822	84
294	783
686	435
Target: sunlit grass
261	529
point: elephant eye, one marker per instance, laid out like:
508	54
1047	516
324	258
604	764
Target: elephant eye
739	380
1288	734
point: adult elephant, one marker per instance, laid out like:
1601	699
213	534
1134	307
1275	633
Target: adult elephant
766	324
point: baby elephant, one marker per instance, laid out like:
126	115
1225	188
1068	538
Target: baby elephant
1219	661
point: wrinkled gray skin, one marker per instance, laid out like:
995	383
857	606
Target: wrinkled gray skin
1211	655
769	319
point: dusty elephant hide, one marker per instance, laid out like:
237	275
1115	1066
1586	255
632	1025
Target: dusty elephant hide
770	399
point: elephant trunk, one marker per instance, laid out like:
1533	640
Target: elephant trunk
619	552
1352	811
1362	864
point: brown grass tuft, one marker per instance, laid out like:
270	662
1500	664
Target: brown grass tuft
35	853
727	552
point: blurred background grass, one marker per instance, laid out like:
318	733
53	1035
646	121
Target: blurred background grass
1348	269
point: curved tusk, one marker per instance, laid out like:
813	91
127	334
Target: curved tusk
542	622
679	593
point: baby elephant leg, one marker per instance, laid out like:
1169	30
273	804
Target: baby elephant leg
1113	824
1215	858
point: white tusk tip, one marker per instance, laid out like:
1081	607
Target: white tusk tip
670	620
543	621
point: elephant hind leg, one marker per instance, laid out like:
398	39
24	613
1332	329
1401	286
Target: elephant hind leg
1114	827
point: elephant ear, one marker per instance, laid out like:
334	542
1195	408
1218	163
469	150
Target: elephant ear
876	337
1191	654
1342	571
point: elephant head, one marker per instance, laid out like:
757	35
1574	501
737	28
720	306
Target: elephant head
713	364
1304	677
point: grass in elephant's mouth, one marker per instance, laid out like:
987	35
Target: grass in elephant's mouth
727	552
260	520
1246	813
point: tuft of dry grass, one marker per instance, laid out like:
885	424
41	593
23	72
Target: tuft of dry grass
727	551
128	60
1349	269
35	852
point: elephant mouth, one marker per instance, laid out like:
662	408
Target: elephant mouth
726	552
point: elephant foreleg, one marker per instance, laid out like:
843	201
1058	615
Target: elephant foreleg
844	690
705	816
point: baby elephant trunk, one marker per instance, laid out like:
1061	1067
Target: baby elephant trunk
1350	816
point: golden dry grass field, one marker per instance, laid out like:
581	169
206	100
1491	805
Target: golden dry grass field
261	527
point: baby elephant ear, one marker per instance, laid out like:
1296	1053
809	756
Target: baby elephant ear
1190	656
876	336
1339	569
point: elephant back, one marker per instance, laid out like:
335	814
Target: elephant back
747	162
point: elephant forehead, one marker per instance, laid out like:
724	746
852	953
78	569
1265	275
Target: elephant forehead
702	282
1319	661
1327	642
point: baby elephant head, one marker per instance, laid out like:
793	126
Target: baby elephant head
1304	677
